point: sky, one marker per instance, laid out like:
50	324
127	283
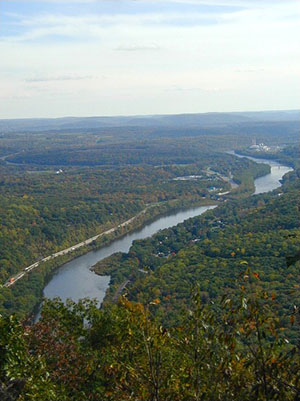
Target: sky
129	57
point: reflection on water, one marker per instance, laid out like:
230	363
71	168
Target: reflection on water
270	181
74	279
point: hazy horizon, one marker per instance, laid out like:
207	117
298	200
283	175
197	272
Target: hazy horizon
155	115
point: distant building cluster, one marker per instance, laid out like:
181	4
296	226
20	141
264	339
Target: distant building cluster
261	147
188	178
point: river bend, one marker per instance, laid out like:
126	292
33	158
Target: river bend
75	280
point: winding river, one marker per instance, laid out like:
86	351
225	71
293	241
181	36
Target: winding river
270	181
74	279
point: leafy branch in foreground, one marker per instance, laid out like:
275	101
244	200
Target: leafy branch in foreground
78	352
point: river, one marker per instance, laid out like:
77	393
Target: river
75	280
270	181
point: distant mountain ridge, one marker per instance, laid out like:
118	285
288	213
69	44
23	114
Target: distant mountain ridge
163	121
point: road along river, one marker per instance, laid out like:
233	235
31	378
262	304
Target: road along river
74	279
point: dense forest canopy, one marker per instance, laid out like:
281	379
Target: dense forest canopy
78	352
58	188
261	231
210	307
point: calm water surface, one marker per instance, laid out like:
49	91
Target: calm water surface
74	279
270	181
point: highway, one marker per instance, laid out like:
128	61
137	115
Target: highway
12	280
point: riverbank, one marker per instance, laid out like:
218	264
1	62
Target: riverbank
245	187
39	278
272	180
275	157
33	284
70	274
113	243
104	238
75	280
122	267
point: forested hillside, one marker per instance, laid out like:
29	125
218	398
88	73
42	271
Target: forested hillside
45	211
149	223
212	250
78	352
204	310
288	155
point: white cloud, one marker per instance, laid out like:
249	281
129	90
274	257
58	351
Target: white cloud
138	47
57	78
93	26
249	60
